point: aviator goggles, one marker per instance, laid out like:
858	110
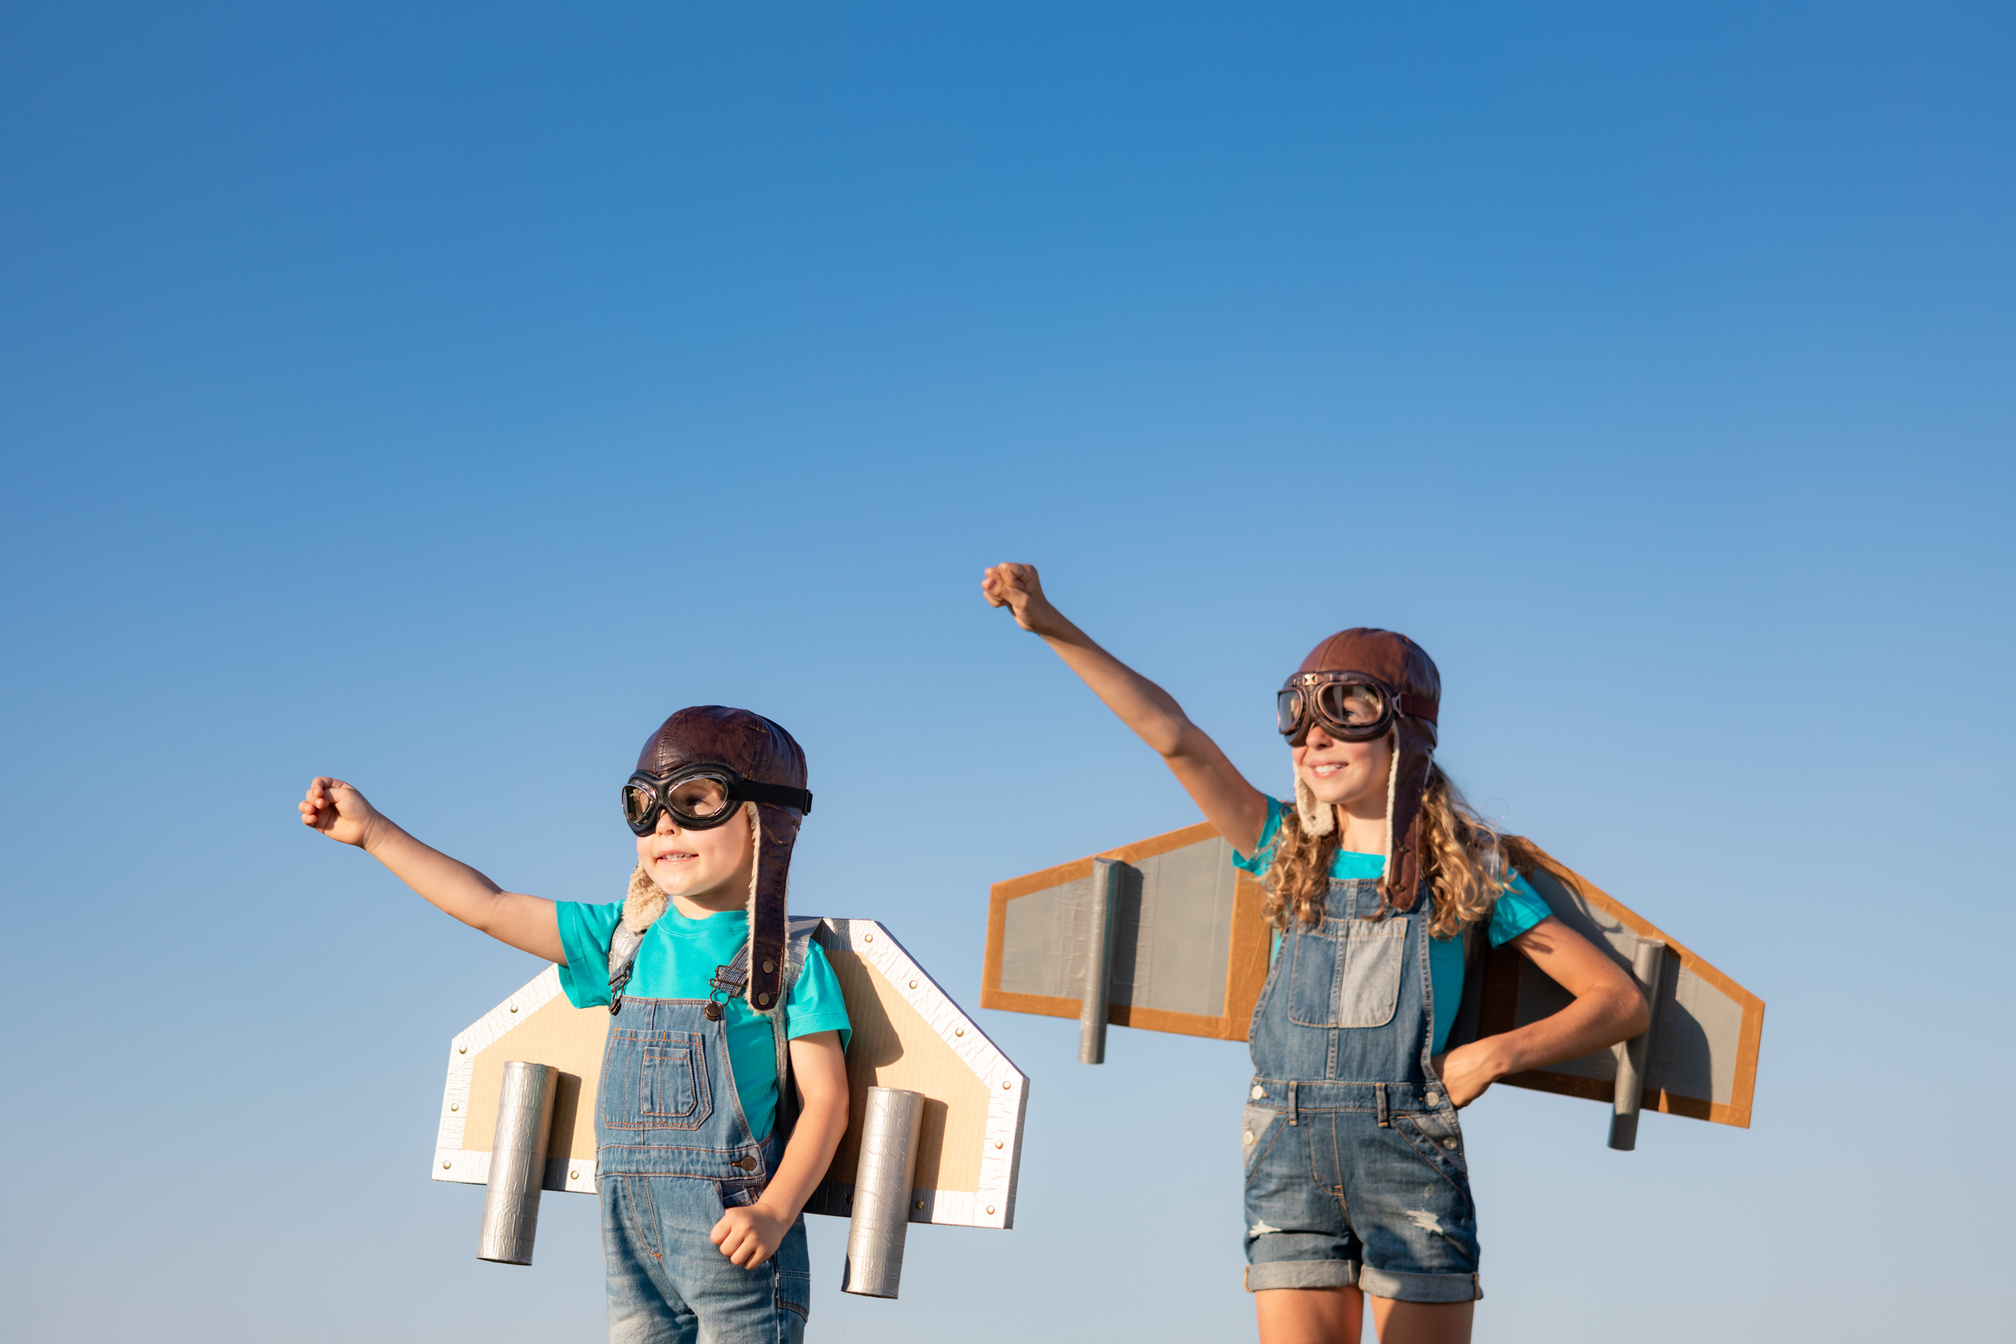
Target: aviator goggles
1351	706
700	797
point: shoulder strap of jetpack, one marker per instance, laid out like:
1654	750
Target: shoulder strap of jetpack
623	945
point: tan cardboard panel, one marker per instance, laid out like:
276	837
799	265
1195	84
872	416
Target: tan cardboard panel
568	1038
893	1046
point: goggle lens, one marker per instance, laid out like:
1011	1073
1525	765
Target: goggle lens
700	797
638	803
1350	704
1287	711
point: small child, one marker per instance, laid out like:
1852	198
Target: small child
705	1156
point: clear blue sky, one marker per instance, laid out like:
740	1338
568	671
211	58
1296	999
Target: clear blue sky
439	396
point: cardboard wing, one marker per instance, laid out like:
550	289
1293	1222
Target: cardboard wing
1189	954
908	1033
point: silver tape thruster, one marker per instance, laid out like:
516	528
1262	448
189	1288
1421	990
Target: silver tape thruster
517	1162
1647	962
890	1129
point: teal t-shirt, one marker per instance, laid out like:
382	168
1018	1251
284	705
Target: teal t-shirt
1517	910
676	960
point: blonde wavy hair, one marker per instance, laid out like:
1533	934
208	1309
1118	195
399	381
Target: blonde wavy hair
1465	860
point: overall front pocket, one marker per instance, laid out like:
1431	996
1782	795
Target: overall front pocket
1347	974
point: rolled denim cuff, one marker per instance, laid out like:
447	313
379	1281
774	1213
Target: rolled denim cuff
1304	1274
1417	1287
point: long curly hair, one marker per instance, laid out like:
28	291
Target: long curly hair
1465	861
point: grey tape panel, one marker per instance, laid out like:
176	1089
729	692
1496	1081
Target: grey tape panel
1158	959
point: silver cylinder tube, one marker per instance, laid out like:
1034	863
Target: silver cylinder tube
1096	994
891	1126
1646	964
517	1162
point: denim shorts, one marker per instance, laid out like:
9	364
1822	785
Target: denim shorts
1358	1184
666	1276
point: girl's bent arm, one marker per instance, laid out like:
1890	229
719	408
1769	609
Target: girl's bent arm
527	923
1235	809
1607	1009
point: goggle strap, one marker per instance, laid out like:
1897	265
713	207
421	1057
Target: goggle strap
777	795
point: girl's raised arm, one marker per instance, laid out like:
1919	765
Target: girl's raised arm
1235	809
525	922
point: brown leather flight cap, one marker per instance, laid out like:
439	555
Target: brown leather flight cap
1407	670
761	751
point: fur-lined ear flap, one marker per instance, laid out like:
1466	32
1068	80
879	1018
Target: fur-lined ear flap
755	868
1392	792
643	903
1316	818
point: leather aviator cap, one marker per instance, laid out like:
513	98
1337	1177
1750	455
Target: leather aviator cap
761	751
1405	668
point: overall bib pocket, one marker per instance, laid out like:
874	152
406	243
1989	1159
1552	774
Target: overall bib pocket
1347	973
660	1082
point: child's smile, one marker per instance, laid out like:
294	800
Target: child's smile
703	871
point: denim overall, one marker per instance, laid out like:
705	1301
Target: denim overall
673	1152
1354	1157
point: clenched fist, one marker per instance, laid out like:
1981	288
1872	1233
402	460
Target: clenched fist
1017	588
338	811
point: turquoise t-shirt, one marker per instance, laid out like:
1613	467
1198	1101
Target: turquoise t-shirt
676	960
1517	910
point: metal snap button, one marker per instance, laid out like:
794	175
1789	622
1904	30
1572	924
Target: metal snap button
1258	1091
1448	1143
1433	1098
1249	1136
769	967
745	1163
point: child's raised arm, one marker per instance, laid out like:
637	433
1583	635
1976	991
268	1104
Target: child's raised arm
525	922
1235	809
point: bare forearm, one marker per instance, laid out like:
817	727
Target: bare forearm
806	1156
1142	705
525	922
1236	809
1594	1021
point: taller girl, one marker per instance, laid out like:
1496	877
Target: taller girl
1379	877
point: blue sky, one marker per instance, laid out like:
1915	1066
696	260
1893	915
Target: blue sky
439	396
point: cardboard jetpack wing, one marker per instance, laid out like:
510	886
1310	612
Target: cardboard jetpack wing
924	1082
1166	934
